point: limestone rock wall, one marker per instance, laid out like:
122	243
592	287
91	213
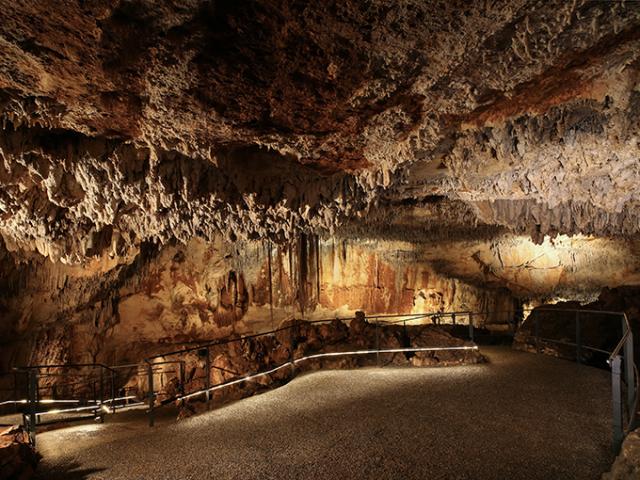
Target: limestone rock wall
127	121
176	294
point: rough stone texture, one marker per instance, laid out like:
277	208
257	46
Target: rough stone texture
599	330
238	359
117	310
141	120
166	168
18	459
627	464
133	128
170	296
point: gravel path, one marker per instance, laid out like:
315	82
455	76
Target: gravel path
521	416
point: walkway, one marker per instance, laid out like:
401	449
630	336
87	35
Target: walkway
521	416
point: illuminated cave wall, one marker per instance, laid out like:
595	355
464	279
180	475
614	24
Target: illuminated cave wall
121	309
166	296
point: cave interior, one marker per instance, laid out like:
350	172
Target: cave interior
174	174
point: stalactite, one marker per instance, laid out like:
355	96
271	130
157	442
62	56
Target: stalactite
280	274
270	283
292	279
318	268
302	272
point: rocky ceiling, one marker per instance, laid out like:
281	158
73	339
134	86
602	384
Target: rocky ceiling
141	120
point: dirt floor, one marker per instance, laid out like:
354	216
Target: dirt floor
520	416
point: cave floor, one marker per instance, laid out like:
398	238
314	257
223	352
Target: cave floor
520	416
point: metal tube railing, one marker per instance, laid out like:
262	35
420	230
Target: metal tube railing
319	355
93	383
620	359
203	349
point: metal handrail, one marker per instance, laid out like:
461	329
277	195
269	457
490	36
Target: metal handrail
292	362
622	341
403	317
611	353
318	355
614	361
147	366
95	408
68	365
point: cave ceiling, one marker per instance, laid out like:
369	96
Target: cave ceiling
149	121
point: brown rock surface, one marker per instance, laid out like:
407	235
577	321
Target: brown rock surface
259	354
18	458
170	296
627	464
138	120
599	330
175	172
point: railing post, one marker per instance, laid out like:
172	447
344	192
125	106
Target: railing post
628	367
152	395
15	390
471	326
182	375
113	391
405	335
207	376
578	339
377	344
33	401
616	393
453	318
292	359
100	411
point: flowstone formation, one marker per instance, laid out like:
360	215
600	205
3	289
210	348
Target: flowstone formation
170	296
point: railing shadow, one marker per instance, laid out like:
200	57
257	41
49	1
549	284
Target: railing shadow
71	471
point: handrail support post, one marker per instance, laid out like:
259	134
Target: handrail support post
292	338
113	391
207	375
99	413
537	329
33	402
182	378
151	394
616	393
377	344
628	367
